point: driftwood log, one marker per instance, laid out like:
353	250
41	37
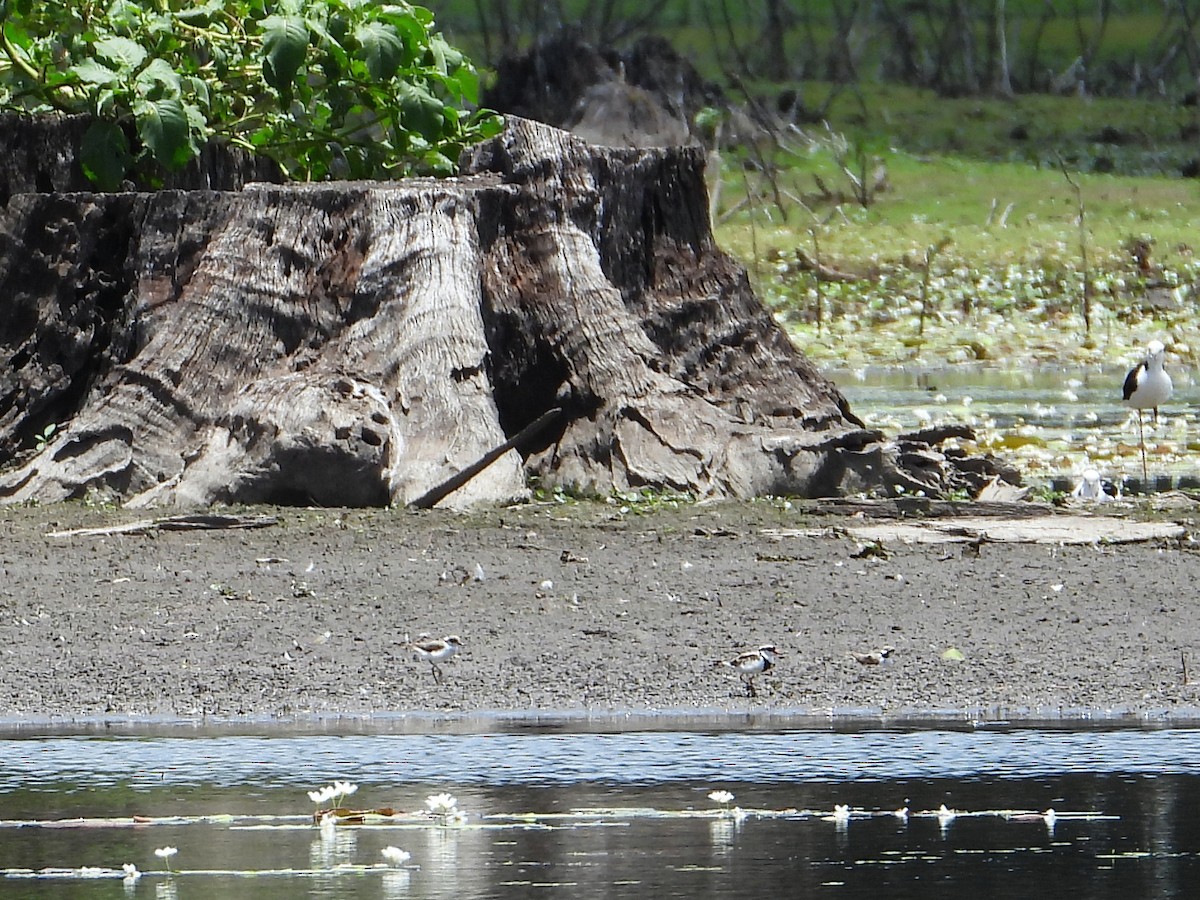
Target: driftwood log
365	343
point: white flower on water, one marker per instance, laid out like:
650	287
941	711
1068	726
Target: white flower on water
441	804
722	797
131	872
458	817
165	854
841	812
395	856
336	792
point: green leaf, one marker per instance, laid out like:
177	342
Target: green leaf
197	121
285	43
464	84
420	111
411	30
383	49
202	13
91	72
104	154
159	72
163	127
953	654
123	16
121	52
436	54
196	89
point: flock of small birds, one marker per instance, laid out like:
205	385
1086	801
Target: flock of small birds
748	665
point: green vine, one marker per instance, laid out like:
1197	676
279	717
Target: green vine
328	88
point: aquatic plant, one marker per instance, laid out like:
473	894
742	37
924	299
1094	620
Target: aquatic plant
724	798
336	792
444	807
165	854
395	856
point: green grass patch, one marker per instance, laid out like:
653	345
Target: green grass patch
1007	278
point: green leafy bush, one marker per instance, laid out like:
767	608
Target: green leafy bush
328	88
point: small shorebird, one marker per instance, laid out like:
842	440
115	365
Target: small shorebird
753	663
1147	386
436	651
875	657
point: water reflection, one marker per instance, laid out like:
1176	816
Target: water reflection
811	813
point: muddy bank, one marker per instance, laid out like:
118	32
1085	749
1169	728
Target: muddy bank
579	607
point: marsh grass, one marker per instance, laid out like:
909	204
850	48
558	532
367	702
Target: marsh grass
1008	283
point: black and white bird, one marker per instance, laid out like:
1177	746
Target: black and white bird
1147	386
435	651
753	663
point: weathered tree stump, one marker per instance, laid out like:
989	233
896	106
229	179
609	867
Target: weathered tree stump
361	343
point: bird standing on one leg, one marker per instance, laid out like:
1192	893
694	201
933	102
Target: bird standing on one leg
753	663
1148	386
436	651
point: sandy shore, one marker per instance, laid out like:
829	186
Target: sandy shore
579	607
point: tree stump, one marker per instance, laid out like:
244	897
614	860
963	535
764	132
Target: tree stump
362	343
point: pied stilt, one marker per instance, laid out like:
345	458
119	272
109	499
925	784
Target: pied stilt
1148	386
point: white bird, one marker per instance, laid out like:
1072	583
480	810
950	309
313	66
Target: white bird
1090	487
753	663
436	651
1148	386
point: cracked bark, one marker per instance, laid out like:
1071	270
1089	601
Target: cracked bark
360	343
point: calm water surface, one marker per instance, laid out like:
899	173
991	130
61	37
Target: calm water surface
612	813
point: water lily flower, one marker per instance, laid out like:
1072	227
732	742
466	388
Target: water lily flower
344	788
722	797
841	812
395	856
165	854
441	804
131	872
335	792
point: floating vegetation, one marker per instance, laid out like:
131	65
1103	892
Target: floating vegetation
335	828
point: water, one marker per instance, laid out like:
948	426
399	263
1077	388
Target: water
608	812
1049	421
